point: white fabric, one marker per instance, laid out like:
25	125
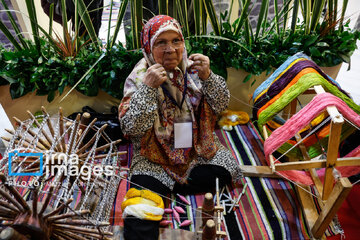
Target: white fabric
140	210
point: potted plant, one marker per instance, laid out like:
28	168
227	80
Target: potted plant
327	40
43	70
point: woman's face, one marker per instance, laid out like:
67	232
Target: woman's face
168	49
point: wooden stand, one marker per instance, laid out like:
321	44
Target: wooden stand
330	196
211	228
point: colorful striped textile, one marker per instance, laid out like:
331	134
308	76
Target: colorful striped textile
269	209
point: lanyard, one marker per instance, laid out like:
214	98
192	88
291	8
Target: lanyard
171	97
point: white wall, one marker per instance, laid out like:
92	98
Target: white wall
42	18
352	11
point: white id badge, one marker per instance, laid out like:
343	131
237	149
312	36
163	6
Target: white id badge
183	135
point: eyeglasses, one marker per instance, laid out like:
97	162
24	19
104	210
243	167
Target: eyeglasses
164	45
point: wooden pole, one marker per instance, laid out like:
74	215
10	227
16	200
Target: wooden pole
333	148
332	205
272	162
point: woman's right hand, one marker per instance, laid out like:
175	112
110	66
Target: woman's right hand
155	76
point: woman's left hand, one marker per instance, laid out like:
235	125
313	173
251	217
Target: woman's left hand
201	64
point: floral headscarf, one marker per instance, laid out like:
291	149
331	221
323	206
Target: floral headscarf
157	144
152	29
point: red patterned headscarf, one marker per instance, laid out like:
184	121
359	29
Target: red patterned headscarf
152	29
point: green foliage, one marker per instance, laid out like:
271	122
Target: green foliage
327	41
40	65
272	49
46	73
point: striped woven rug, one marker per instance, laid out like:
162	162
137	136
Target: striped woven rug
269	209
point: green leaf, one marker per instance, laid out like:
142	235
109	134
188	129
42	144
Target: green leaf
311	40
119	21
247	78
322	44
314	51
210	9
112	74
253	82
40	60
9	36
7	78
51	96
345	58
84	14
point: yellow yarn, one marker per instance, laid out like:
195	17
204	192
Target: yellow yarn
144	203
231	118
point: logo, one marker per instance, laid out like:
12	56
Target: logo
17	154
69	165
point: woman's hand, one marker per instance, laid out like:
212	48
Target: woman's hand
155	76
201	64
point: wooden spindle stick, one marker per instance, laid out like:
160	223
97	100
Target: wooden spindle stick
80	222
100	156
8	211
58	237
8	205
104	147
29	170
58	146
61	123
34	202
88	144
71	235
12	200
68	215
34	135
23	143
87	235
47	200
83	134
57	210
85	119
6	139
81	229
49	140
48	121
74	132
15	193
38	145
28	160
96	236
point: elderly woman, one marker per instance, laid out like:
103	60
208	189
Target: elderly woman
169	111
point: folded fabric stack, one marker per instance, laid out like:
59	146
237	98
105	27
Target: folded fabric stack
290	80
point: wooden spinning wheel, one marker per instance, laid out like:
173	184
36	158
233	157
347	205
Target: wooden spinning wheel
45	208
330	195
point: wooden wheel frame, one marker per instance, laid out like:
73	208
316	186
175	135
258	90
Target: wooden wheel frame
331	196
